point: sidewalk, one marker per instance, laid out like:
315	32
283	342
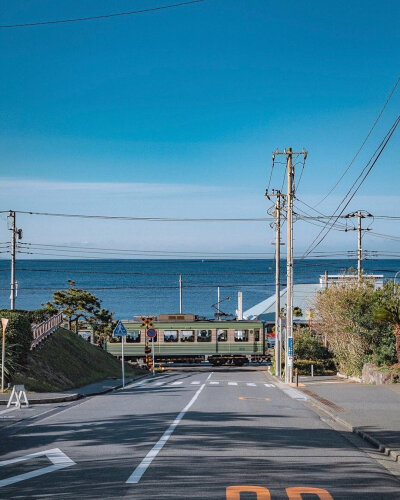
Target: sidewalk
94	389
373	411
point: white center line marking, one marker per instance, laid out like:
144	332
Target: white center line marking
250	384
136	475
232	383
196	382
213	383
269	385
179	382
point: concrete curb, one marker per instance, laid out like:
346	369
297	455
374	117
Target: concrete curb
74	396
57	399
382	448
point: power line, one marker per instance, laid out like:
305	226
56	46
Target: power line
118	250
365	172
105	16
363	143
149	219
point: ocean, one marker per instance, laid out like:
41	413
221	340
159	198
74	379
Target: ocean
150	287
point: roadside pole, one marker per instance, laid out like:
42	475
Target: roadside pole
123	361
4	322
120	331
152	350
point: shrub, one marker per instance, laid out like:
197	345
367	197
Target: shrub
18	335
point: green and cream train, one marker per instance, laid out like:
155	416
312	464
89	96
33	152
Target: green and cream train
187	338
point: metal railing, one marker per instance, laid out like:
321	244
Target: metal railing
45	329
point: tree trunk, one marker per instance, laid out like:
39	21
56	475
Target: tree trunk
69	323
397	335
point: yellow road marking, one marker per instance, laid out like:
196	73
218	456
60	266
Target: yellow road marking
262	399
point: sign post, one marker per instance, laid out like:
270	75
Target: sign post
152	333
120	331
4	322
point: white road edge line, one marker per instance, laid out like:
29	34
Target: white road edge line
137	474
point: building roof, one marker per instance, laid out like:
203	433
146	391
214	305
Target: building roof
303	297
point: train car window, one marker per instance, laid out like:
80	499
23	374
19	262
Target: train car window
133	336
187	335
222	335
170	335
256	335
203	335
241	335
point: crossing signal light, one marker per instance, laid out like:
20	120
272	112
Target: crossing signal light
147	350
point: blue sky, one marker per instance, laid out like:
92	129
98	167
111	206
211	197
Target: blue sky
191	102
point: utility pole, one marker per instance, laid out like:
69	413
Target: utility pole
278	333
289	259
360	214
14	233
218	308
180	294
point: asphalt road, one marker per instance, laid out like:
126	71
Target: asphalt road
190	433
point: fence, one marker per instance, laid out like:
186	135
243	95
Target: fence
45	329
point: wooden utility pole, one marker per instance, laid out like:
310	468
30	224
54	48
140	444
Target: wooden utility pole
278	332
289	260
360	214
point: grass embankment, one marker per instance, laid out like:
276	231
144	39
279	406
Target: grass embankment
66	361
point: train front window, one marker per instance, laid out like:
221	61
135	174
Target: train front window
187	336
203	335
170	335
241	335
133	336
222	335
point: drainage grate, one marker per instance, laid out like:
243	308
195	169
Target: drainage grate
322	400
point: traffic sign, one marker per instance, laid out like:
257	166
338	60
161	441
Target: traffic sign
120	330
147	321
290	347
151	333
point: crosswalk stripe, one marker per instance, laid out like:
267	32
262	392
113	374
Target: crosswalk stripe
269	385
232	383
177	383
250	384
196	383
214	383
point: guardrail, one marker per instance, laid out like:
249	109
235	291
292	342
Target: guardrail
45	329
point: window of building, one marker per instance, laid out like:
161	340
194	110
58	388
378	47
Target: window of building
222	335
257	335
241	335
187	335
170	335
203	335
133	336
